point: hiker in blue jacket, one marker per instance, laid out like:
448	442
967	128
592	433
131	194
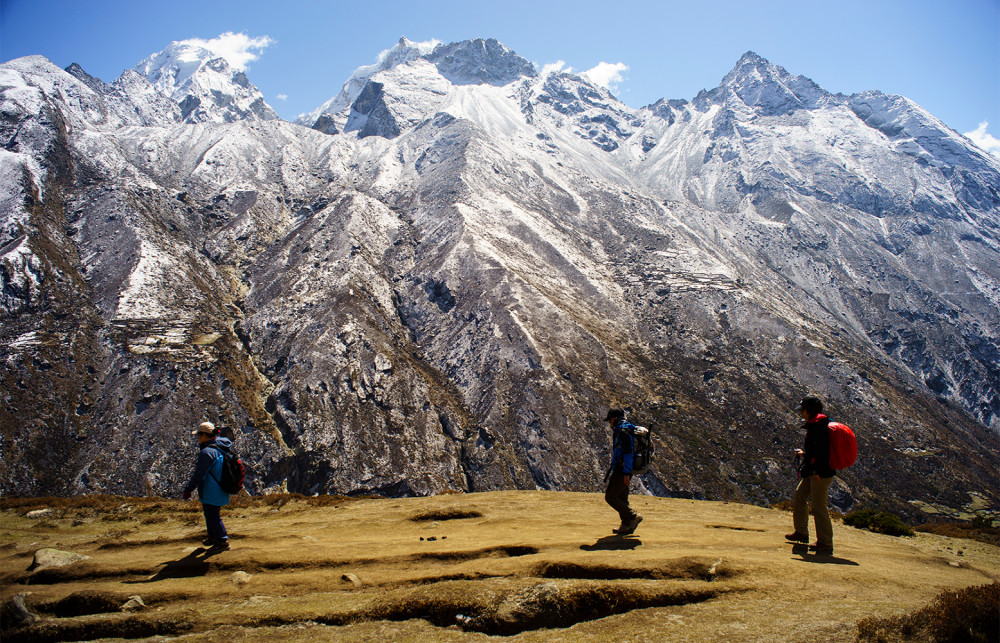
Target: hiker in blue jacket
206	476
619	476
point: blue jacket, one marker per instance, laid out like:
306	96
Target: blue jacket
623	448
208	472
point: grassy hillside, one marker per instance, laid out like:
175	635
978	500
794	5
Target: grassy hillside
533	565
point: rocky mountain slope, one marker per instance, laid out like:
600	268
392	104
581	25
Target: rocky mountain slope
443	277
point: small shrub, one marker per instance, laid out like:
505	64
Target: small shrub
965	615
982	521
879	522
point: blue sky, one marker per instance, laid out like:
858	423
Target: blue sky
943	54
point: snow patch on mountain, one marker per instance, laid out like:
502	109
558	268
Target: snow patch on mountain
151	287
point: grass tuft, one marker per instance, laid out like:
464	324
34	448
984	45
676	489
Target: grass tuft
968	615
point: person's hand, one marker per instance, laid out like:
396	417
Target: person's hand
186	495
815	477
628	480
799	452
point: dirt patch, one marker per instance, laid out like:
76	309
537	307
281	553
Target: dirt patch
761	531
87	629
85	602
540	605
508	551
682	569
446	514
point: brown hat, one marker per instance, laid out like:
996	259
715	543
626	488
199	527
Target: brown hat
205	427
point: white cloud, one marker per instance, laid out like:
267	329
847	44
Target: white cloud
984	139
282	96
607	75
556	67
238	49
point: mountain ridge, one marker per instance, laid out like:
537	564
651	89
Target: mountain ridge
444	294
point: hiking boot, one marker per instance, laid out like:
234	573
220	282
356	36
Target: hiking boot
625	530
219	545
796	537
821	550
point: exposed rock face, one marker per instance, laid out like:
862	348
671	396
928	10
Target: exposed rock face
479	61
450	293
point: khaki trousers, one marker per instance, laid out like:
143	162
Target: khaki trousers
819	490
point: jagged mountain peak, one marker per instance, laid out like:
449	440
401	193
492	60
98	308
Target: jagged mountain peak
404	51
79	73
479	61
769	88
206	87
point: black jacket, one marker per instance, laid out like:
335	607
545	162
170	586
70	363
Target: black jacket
817	449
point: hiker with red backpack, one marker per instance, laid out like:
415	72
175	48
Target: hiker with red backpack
207	479
816	473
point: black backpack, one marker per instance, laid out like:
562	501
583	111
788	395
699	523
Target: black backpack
642	450
233	472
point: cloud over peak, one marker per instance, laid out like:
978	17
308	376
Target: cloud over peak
607	75
984	139
238	49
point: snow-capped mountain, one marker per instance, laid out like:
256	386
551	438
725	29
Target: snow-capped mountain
204	85
442	277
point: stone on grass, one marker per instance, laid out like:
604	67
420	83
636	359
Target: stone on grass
16	614
48	557
134	604
240	578
353	580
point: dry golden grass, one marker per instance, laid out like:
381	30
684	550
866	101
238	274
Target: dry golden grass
530	565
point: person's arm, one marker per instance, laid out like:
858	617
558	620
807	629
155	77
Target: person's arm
205	459
628	449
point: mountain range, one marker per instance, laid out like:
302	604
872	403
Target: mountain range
442	277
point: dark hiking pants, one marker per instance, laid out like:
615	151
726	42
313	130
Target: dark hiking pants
213	521
617	497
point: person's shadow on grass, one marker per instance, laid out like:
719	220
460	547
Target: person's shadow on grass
613	543
823	559
194	564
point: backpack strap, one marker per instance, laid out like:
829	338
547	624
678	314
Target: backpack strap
222	456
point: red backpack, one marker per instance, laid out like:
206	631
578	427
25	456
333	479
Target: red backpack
843	446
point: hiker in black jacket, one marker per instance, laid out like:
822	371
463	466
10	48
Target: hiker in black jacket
815	477
620	474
